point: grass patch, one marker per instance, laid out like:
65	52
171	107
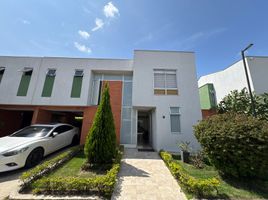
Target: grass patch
73	168
229	188
70	179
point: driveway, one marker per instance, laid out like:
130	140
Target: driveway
9	181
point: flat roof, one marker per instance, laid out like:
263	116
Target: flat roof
156	50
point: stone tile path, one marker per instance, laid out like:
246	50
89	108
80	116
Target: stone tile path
144	176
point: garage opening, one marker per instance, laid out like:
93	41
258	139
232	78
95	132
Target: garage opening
13	120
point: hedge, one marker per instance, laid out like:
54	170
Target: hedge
101	184
37	172
199	187
236	144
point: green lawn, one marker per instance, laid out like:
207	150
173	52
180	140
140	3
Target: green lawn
73	168
230	189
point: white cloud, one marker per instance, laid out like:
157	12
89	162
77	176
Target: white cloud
99	24
84	34
82	48
110	10
24	21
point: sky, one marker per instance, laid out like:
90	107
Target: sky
216	30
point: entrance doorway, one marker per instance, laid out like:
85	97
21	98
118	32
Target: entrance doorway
144	133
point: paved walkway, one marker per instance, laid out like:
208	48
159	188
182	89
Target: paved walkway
144	176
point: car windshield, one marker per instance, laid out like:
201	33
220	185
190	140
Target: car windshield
32	131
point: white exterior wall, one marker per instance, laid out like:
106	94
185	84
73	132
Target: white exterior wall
188	100
258	67
61	93
234	77
12	77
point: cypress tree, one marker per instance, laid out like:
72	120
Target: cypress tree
100	146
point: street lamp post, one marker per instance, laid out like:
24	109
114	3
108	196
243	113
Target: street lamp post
249	88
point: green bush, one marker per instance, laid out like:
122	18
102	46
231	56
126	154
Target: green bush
236	144
100	146
199	187
29	176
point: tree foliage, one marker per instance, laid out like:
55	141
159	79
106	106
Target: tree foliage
240	102
100	146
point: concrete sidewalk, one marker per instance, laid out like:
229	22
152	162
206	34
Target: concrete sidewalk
144	176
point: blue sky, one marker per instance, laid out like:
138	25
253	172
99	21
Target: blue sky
216	30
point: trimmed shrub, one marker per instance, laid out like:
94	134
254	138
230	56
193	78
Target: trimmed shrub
100	146
199	187
236	144
100	184
103	185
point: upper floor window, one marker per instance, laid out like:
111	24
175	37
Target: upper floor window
77	83
165	82
25	81
2	70
49	82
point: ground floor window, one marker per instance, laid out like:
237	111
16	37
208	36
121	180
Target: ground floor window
175	120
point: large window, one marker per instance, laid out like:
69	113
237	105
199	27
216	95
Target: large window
2	70
77	83
25	81
175	125
165	82
49	82
126	135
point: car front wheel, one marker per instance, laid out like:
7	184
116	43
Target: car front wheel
34	158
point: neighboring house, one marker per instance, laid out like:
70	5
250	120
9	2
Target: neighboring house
154	96
214	87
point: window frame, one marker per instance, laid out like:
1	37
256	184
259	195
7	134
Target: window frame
165	88
175	114
50	69
76	73
45	93
25	81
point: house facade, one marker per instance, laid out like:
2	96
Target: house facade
154	96
214	87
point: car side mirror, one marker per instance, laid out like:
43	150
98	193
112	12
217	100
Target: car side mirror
54	134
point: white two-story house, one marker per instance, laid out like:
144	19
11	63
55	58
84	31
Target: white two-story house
154	96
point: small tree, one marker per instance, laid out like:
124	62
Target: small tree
240	102
100	146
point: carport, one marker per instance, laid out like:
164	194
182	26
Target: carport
13	119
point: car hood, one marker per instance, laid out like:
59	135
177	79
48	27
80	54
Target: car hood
8	143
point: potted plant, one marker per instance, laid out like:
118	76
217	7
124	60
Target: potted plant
185	151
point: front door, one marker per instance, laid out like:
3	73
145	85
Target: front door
144	130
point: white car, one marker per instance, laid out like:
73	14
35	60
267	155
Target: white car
27	147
